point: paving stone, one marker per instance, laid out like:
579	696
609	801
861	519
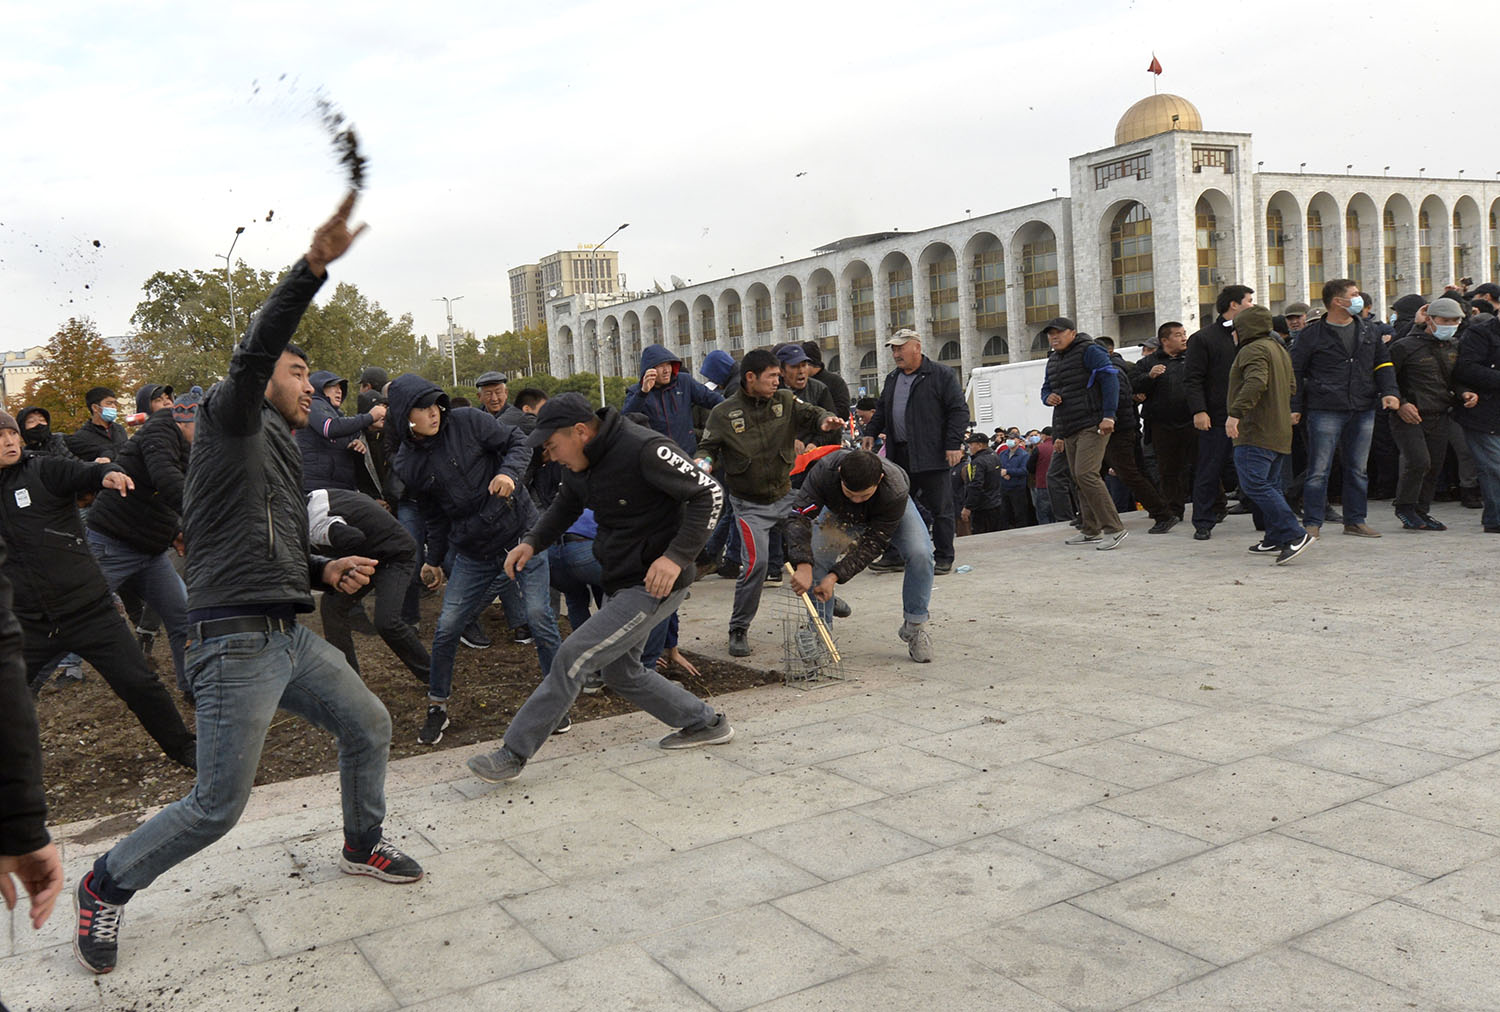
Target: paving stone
1466	725
1106	842
1401	840
526	805
896	769
688	775
936	978
1364	757
588	847
420	959
1441	961
1024	736
1279	980
1466	795
839	844
1224	736
334	978
1233	901
806	744
1080	960
1125	763
1471	894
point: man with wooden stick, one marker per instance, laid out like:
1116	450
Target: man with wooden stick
861	503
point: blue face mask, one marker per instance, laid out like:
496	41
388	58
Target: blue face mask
109	414
1356	305
1445	332
1033	440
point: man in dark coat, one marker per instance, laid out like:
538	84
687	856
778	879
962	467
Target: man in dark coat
37	434
331	442
832	380
666	395
922	415
101	437
984	499
1210	353
1478	369
1162	377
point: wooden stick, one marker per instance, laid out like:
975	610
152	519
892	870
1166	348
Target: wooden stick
817	619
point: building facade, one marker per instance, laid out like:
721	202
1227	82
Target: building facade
1153	226
559	276
18	368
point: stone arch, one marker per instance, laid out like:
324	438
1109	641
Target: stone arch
1398	247
731	310
820	310
630	339
1033	250
1284	230
703	317
1361	242
1323	233
679	327
653	329
1434	245
564	362
1130	281
996	351
790	309
895	287
1215	243
937	292
984	260
1468	239
611	355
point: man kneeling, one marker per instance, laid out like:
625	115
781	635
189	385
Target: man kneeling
866	498
654	511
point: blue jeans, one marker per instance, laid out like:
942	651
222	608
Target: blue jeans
577	574
1042	502
1350	433
1261	472
158	585
471	588
1485	448
239	681
911	541
410	516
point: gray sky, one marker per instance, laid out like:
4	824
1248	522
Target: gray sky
498	132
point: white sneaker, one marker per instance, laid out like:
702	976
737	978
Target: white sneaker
1084	539
919	643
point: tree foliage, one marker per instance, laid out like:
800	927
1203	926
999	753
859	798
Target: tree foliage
78	358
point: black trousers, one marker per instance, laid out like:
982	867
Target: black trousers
389	585
933	491
1120	456
1176	448
987	520
1015	508
1423	450
1215	450
101	636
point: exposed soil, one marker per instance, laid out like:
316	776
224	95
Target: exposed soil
98	760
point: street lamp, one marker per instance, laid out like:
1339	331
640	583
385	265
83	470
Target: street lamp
452	351
228	278
594	258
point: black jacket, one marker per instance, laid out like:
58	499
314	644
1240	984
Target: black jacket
49	565
1330	379
1083	375
23	804
838	388
1478	369
40	438
1127	412
936	416
984	491
1210	353
649	500
91	441
817	392
244	514
1166	395
449	475
351	523
150	517
1424	371
877	517
327	461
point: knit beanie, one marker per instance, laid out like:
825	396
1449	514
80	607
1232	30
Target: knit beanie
185	406
7	422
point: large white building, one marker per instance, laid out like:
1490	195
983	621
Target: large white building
1154	225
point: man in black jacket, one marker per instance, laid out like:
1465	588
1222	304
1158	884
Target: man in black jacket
1478	369
37	434
1122	454
64	604
923	416
26	851
101	437
1343	370
1210	353
130	535
832	380
984	499
249	573
333	450
654	511
1162	377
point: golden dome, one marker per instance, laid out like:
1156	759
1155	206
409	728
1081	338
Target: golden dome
1155	115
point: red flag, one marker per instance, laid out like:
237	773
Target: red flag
1155	67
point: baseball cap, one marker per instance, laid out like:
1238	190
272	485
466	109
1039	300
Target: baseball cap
901	336
1297	309
1486	289
490	379
791	354
1058	323
373	375
559	413
977	437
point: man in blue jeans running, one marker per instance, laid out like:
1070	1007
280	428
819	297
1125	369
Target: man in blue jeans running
861	503
248	576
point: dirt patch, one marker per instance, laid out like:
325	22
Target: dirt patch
98	761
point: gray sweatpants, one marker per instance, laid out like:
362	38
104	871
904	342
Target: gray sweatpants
755	521
609	642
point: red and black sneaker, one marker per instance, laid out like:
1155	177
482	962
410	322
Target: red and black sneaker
385	863
97	943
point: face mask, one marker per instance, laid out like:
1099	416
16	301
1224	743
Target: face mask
1356	305
1033	440
1012	443
109	414
1445	332
37	434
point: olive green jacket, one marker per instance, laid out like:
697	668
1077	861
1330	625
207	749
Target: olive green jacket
752	443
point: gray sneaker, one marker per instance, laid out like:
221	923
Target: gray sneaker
1112	540
1084	539
919	642
498	766
907	628
716	733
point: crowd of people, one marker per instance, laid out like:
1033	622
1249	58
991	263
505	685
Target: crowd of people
224	512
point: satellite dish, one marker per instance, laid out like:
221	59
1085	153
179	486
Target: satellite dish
678	282
656	286
552	293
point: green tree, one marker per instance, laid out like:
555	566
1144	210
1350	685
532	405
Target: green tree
351	332
78	358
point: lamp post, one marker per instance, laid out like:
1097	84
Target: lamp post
229	278
452	351
598	351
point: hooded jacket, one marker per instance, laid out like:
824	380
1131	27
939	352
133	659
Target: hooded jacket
149	518
1330	379
649	500
1478	369
1261	384
669	408
23	804
40	438
327	461
1406	313
448	474
877	517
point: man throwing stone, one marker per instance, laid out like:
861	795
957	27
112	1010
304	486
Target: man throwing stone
248	575
654	511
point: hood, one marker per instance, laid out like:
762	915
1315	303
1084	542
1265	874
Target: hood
654	355
322	378
30	410
148	393
1406	307
1253	324
406	390
718	366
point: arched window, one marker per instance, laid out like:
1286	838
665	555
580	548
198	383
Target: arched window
1208	258
949	352
1388	250
1275	257
996	349
1424	249
1130	261
1315	276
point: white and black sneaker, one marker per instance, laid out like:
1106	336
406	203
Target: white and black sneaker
1294	549
1111	540
385	863
521	635
1265	548
434	726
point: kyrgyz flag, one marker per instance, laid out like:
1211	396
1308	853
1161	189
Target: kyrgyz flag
1155	67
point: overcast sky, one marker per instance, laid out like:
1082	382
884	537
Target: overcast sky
498	132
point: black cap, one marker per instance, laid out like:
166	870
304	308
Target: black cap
1491	291
559	413
374	375
977	437
1058	323
489	379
